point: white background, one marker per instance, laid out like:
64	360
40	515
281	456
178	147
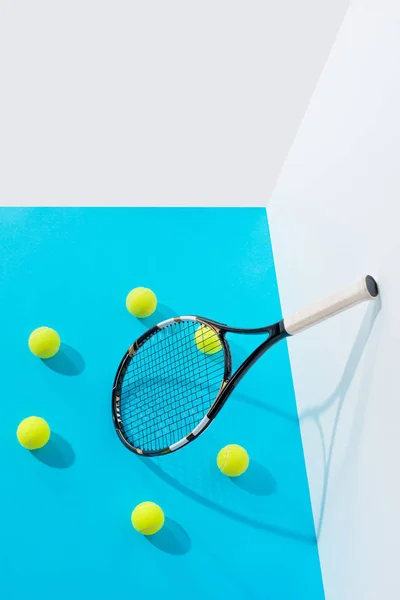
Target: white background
154	102
335	215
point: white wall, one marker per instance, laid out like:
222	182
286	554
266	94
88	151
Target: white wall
335	215
154	101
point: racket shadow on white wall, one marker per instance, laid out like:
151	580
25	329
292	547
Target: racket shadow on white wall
336	402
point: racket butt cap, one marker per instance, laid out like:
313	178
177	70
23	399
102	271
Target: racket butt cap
372	286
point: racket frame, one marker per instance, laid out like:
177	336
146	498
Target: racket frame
275	333
363	290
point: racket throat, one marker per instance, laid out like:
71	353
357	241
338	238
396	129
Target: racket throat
277	333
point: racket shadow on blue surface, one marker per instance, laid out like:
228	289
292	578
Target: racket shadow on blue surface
223	509
57	453
67	361
257	480
278	412
172	538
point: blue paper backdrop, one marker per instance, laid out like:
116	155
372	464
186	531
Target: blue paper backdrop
65	518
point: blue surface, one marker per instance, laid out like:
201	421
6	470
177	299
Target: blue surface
65	518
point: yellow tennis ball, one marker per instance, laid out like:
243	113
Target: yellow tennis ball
44	342
147	518
207	340
233	460
33	433
141	302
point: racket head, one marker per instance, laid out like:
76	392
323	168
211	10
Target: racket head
167	384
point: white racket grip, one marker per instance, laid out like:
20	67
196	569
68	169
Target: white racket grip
365	289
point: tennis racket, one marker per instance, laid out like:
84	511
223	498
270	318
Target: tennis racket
176	377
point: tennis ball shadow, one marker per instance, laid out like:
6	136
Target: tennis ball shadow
257	480
161	313
67	361
172	538
57	453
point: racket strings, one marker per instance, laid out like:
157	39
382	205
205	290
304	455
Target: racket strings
152	402
150	383
170	384
162	384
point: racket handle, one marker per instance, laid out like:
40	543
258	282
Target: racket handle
365	289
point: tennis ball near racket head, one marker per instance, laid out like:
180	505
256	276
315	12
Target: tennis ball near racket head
233	460
207	340
141	302
33	433
147	518
44	342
